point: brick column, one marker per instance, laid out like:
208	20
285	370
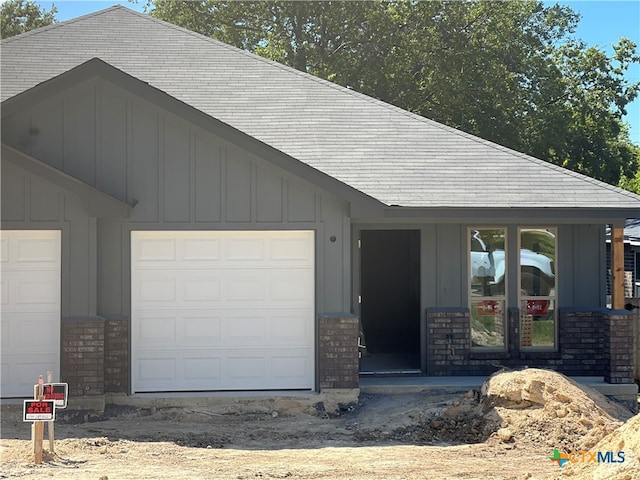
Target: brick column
448	341
116	356
582	341
338	351
82	360
618	347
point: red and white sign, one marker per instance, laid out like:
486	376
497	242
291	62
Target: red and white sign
537	307
39	410
58	392
488	307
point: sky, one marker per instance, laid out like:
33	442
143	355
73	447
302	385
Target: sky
603	23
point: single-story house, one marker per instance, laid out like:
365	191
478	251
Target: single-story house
179	215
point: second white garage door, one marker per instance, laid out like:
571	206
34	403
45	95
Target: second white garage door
30	308
222	310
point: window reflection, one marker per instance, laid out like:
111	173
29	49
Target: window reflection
538	315
487	260
537	260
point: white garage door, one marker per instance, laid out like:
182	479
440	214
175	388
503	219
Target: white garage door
222	310
30	308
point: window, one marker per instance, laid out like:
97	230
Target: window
487	292
538	294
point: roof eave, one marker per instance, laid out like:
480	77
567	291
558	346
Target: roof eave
101	205
609	215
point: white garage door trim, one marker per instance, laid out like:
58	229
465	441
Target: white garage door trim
222	310
29	308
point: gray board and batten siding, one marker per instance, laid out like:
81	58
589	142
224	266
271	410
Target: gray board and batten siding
183	177
31	202
178	177
444	265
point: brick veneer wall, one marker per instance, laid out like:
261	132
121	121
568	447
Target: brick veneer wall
592	343
448	342
338	359
581	342
82	361
618	347
116	355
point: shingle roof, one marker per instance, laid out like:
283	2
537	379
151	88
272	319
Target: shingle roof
387	153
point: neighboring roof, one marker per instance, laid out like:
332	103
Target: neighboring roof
385	152
100	204
631	232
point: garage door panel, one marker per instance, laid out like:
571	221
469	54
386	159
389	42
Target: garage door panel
201	249
4	292
201	289
19	375
38	332
4	251
155	290
184	328
291	250
245	288
288	366
225	369
22	290
220	308
244	250
204	370
225	287
157	330
246	366
177	328
40	250
30	303
44	291
291	287
249	330
156	370
155	250
202	329
287	328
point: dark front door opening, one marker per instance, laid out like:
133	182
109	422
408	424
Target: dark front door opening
390	300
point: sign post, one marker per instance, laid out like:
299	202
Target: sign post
46	398
50	422
38	428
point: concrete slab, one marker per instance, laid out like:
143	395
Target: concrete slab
241	401
626	393
413	384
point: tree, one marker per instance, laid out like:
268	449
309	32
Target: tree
18	16
508	72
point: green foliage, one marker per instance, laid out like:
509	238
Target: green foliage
509	72
632	183
18	16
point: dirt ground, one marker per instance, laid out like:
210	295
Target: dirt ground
508	430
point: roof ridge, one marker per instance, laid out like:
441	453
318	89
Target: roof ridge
37	31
